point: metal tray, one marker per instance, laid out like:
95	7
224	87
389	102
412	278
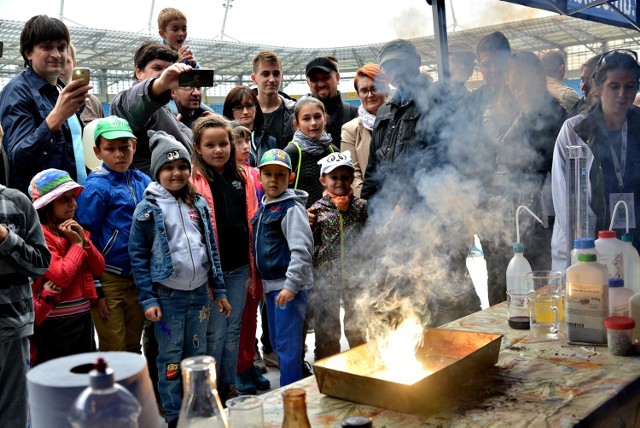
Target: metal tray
453	357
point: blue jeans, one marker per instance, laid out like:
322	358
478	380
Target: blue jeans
181	333
223	334
285	330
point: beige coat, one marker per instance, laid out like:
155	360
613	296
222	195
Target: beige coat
561	92
357	139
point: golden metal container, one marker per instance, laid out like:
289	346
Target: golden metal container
453	357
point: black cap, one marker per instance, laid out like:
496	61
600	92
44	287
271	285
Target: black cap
321	63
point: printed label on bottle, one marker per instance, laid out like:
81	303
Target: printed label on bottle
587	306
519	303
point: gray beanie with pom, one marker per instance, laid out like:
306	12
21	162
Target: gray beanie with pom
164	149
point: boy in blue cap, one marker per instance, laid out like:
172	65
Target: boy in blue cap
283	251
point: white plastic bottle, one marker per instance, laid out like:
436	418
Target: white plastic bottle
631	264
582	246
619	296
517	270
517	288
104	403
611	253
634	312
587	300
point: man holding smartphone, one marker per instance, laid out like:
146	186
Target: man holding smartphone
35	106
144	105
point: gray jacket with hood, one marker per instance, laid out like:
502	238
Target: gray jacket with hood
279	225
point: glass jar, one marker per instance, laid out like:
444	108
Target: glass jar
619	333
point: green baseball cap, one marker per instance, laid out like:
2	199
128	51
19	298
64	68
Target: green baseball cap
112	127
275	157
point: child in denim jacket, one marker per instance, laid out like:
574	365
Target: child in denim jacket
174	262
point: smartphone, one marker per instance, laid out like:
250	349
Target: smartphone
196	78
81	73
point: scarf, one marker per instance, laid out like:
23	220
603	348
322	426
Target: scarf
342	202
366	118
311	145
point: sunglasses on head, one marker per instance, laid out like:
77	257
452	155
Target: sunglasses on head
609	54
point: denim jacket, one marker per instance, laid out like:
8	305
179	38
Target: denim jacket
150	254
25	103
284	243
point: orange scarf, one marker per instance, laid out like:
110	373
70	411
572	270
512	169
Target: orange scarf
342	202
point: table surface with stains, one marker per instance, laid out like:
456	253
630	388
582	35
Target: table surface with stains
536	382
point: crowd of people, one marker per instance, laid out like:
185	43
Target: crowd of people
194	223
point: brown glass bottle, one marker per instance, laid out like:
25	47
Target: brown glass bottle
295	408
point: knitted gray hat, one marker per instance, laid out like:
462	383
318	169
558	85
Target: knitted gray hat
164	149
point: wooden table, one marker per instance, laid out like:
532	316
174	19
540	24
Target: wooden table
535	383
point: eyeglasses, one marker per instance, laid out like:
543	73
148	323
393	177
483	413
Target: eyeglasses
241	108
363	92
603	58
190	88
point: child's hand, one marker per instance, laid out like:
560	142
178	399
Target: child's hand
154	313
71	232
100	308
50	286
224	307
311	213
4	232
284	297
79	230
185	54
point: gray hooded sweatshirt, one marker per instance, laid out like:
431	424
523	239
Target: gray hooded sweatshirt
186	240
297	232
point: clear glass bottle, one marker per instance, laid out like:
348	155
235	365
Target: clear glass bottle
201	405
104	403
295	408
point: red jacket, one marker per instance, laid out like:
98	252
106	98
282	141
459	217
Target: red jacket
72	268
202	187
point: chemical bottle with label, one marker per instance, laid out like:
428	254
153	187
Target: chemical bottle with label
611	253
517	288
631	264
587	300
104	403
582	246
619	296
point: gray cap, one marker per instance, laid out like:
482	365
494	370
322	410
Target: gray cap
164	149
397	49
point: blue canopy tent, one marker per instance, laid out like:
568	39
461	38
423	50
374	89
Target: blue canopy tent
621	13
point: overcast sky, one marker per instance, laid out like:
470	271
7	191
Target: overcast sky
294	23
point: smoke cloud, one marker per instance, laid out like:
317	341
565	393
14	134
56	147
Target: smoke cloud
412	254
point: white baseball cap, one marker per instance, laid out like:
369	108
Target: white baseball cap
334	160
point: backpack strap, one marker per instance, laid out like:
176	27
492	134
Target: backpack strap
295	186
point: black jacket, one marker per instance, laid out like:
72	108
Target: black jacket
339	113
395	135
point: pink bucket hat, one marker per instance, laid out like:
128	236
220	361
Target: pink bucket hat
47	185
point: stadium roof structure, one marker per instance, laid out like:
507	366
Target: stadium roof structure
110	53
